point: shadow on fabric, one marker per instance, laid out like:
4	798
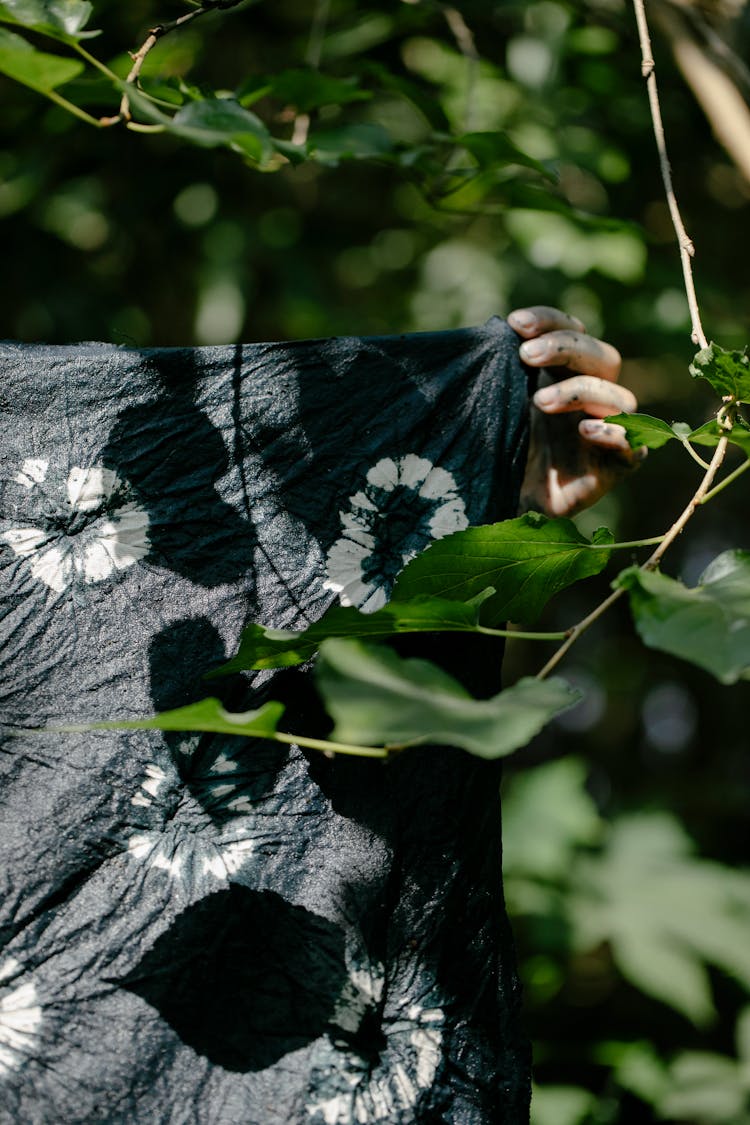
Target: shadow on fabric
244	977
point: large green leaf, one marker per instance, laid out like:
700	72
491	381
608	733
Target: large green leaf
262	647
728	372
378	698
208	715
62	19
663	912
42	72
708	625
527	560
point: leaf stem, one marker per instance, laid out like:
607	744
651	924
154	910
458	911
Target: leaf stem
95	62
696	457
629	544
71	107
687	249
331	747
726	482
519	635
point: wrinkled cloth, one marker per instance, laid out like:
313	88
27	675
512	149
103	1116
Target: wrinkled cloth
211	929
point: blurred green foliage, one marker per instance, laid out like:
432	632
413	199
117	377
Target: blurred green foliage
425	201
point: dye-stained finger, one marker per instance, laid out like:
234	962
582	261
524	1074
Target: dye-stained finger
576	350
536	319
588	394
607	435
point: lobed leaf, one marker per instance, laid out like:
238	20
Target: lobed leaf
36	69
527	560
379	698
643	429
262	647
707	625
221	121
728	372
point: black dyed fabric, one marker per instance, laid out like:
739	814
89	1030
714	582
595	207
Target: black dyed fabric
209	929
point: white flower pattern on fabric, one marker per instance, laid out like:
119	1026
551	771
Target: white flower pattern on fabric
405	503
85	531
20	1018
358	1091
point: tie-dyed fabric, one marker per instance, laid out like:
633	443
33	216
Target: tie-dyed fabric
211	930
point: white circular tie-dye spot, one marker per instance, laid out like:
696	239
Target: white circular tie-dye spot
404	504
91	529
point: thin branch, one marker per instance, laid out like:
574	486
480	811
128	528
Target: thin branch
687	250
466	44
154	35
312	58
650	564
715	91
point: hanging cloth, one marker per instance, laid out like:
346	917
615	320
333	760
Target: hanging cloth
213	929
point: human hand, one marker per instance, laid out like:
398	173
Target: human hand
573	460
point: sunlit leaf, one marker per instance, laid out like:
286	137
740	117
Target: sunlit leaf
561	1105
728	372
208	715
42	72
711	433
528	560
262	647
649	897
707	625
378	698
705	1087
547	814
62	19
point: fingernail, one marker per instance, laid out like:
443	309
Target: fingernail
545	396
522	318
534	349
591	426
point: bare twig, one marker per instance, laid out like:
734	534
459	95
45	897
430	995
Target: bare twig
716	93
687	250
651	562
154	35
466	44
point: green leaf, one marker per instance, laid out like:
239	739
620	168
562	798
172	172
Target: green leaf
711	433
561	1105
307	90
707	625
378	698
262	647
727	372
642	429
221	121
493	150
547	815
62	19
350	142
527	560
208	715
704	1087
42	72
648	897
